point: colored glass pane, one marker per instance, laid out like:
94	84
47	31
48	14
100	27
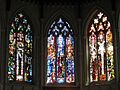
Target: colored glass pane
100	49
20	50
60	58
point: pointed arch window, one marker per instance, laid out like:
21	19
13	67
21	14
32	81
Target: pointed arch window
60	53
101	50
20	49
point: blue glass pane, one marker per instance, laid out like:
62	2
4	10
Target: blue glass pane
60	58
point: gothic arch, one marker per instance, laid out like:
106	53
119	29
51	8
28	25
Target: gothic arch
87	26
60	14
20	63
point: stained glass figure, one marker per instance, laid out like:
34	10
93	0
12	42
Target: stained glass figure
60	48
20	50
100	40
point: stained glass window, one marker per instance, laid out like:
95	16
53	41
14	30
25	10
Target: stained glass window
100	41
60	53
20	49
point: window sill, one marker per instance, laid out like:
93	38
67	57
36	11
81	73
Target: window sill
20	83
60	85
100	83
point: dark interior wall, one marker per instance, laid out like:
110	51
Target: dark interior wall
2	28
117	10
117	24
41	17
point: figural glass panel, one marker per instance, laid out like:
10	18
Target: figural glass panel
60	53
100	45
20	49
